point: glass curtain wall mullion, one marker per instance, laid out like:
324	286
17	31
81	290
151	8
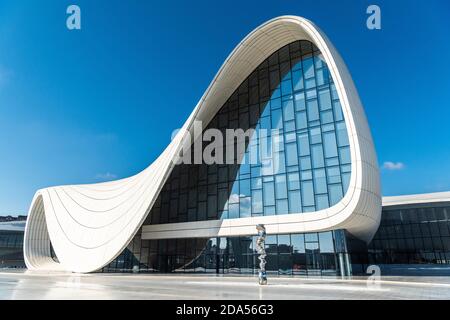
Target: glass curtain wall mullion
307	116
319	102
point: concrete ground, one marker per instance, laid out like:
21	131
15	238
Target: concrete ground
28	285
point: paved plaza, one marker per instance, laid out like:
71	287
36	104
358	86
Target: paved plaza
27	285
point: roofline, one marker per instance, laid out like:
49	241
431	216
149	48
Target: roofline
417	199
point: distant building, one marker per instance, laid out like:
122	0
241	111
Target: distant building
12	218
11	241
413	237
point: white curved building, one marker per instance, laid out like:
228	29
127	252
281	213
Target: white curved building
285	75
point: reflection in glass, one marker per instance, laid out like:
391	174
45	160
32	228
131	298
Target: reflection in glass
292	91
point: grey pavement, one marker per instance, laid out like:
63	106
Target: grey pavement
32	285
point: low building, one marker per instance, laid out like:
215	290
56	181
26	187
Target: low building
414	235
11	242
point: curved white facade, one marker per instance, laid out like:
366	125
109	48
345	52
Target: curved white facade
89	225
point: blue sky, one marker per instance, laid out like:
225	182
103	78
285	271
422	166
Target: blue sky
101	103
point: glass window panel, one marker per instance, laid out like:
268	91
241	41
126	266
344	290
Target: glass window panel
293	181
322	202
309	209
284	239
344	155
332	162
329	144
333	175
291	154
311	94
335	192
430	214
275	104
303	144
300	103
313	110
295	202
276	93
257	201
325	99
301	120
328	127
269	194
223	199
342	136
234	196
290	137
274	77
338	115
282	206
334	93
307	193
286	87
440	213
311	237
322	76
256	183
265	123
326	242
306	175
289	126
326	117
317	156
279	163
297	80
310	83
233	210
245	164
277	141
245	207
319	61
305	163
295	57
267	167
443	229
269	210
244	187
277	121
201	211
346	168
298	243
280	186
288	110
320	181
308	68
315	135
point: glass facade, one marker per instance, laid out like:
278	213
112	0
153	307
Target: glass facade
11	249
411	240
290	254
412	235
300	164
409	235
